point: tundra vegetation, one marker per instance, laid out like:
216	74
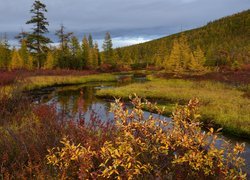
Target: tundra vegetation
38	142
221	104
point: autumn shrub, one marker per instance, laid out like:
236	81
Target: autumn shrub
150	147
28	130
12	104
7	78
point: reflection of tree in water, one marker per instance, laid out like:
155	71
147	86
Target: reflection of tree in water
63	101
76	101
88	96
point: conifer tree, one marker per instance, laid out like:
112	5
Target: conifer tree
16	61
186	53
90	40
199	55
76	51
173	64
97	58
85	49
22	36
193	64
36	40
64	38
116	57
50	61
158	61
108	49
5	53
126	58
24	53
90	61
198	60
29	64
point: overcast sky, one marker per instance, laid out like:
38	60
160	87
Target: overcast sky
129	21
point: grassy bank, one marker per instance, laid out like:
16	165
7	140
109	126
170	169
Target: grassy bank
45	81
221	104
36	82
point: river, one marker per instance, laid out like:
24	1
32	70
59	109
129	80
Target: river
79	101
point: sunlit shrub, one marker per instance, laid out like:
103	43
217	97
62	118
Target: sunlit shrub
150	147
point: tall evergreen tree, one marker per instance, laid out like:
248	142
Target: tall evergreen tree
96	56
22	36
64	37
108	49
36	40
76	51
85	49
91	43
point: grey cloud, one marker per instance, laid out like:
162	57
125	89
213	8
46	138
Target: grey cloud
123	18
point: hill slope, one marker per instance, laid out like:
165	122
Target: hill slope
224	42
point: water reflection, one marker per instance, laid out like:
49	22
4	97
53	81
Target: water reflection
79	102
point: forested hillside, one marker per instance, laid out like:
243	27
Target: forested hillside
219	43
224	42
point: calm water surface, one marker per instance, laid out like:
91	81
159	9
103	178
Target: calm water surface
79	101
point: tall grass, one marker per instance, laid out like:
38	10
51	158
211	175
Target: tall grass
221	104
44	81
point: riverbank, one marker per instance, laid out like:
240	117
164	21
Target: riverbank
221	105
29	130
37	82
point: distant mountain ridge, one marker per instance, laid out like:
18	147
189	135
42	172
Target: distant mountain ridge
225	41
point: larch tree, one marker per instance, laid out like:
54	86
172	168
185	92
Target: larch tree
16	61
5	52
158	61
85	50
193	64
108	49
36	40
29	64
97	58
200	56
186	53
199	59
96	55
173	64
63	52
50	61
76	53
24	53
116	57
90	40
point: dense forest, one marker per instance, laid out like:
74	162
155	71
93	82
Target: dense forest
224	42
219	43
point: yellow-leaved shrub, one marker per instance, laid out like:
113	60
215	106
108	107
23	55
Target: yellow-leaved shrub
148	147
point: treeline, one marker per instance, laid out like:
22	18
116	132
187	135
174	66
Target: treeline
36	51
224	42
